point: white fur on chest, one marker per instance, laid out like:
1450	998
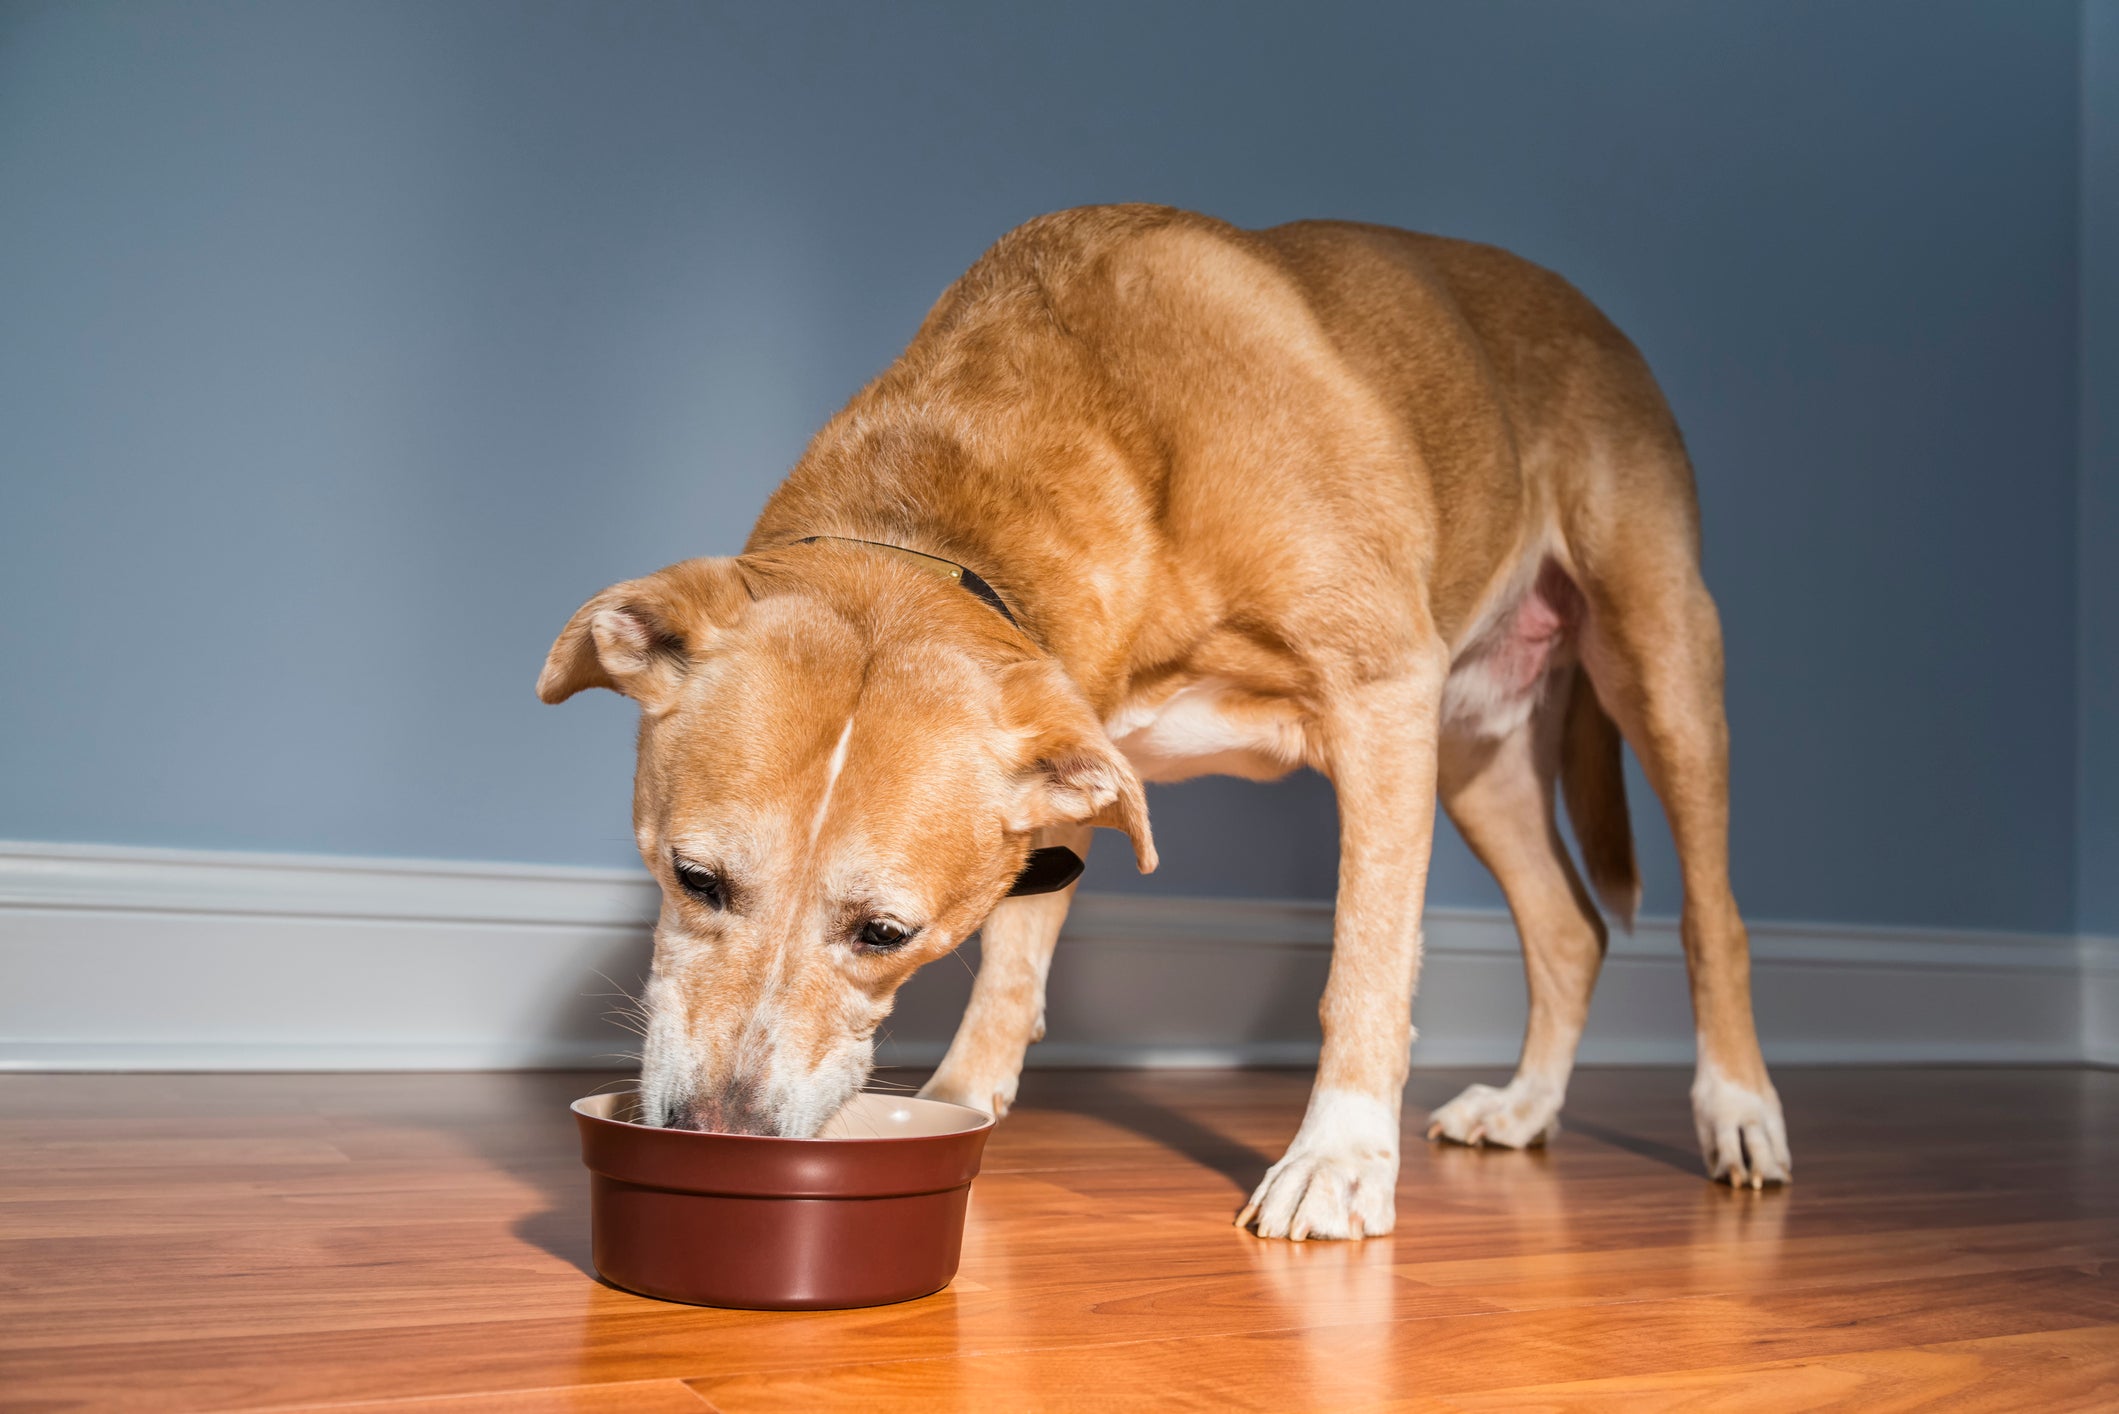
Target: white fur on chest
1208	728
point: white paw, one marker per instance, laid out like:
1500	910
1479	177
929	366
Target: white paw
1339	1178
986	1095
1525	1113
1742	1136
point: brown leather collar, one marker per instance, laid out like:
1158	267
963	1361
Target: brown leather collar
933	564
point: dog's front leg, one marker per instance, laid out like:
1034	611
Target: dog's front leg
1339	1177
1007	1010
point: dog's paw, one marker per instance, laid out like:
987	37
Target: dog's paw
1517	1117
1339	1179
984	1094
1742	1136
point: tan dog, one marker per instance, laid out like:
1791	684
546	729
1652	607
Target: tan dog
1405	510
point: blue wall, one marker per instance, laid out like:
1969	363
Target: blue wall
345	348
2097	843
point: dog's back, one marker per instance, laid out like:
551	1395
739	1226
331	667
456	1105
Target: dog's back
1340	404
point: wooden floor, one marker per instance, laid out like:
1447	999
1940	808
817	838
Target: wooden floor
269	1241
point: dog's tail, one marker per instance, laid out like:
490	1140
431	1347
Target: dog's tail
1594	784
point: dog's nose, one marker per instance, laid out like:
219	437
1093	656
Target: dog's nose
733	1109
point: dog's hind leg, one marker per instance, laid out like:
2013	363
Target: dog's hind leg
1500	794
1007	1009
1653	647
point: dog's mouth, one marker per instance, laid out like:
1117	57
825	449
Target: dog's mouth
736	1108
746	1108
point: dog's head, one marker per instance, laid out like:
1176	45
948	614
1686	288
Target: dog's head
843	765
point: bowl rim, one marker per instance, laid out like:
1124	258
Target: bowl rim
985	1122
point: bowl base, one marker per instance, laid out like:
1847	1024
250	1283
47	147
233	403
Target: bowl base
776	1254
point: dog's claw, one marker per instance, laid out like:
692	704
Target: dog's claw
1338	1178
1741	1134
1517	1117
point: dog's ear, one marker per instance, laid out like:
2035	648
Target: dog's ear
641	637
1070	773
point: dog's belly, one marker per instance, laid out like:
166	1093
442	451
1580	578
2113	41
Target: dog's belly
1212	727
1496	681
1209	727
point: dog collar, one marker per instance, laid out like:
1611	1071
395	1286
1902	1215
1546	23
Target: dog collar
1047	871
1054	867
934	565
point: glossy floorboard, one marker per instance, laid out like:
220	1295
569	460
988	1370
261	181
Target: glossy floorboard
420	1242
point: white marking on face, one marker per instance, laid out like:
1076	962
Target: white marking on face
664	1052
803	1099
831	780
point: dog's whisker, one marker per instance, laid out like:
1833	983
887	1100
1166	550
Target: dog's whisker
632	992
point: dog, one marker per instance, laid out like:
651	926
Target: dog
1149	496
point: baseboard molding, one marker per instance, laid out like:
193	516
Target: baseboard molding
2100	1000
115	958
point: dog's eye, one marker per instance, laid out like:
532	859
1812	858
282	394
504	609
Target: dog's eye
702	884
882	935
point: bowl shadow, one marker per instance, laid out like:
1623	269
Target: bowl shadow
540	1149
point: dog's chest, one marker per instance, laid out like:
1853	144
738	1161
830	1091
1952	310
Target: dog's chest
1209	727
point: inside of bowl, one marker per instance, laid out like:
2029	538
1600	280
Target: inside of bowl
866	1116
869	1116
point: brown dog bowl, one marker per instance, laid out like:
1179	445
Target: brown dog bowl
871	1211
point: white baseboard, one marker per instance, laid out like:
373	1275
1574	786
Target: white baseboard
2100	1001
136	959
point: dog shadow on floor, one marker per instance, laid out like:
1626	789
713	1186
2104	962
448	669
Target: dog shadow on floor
1683	1160
1106	1096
